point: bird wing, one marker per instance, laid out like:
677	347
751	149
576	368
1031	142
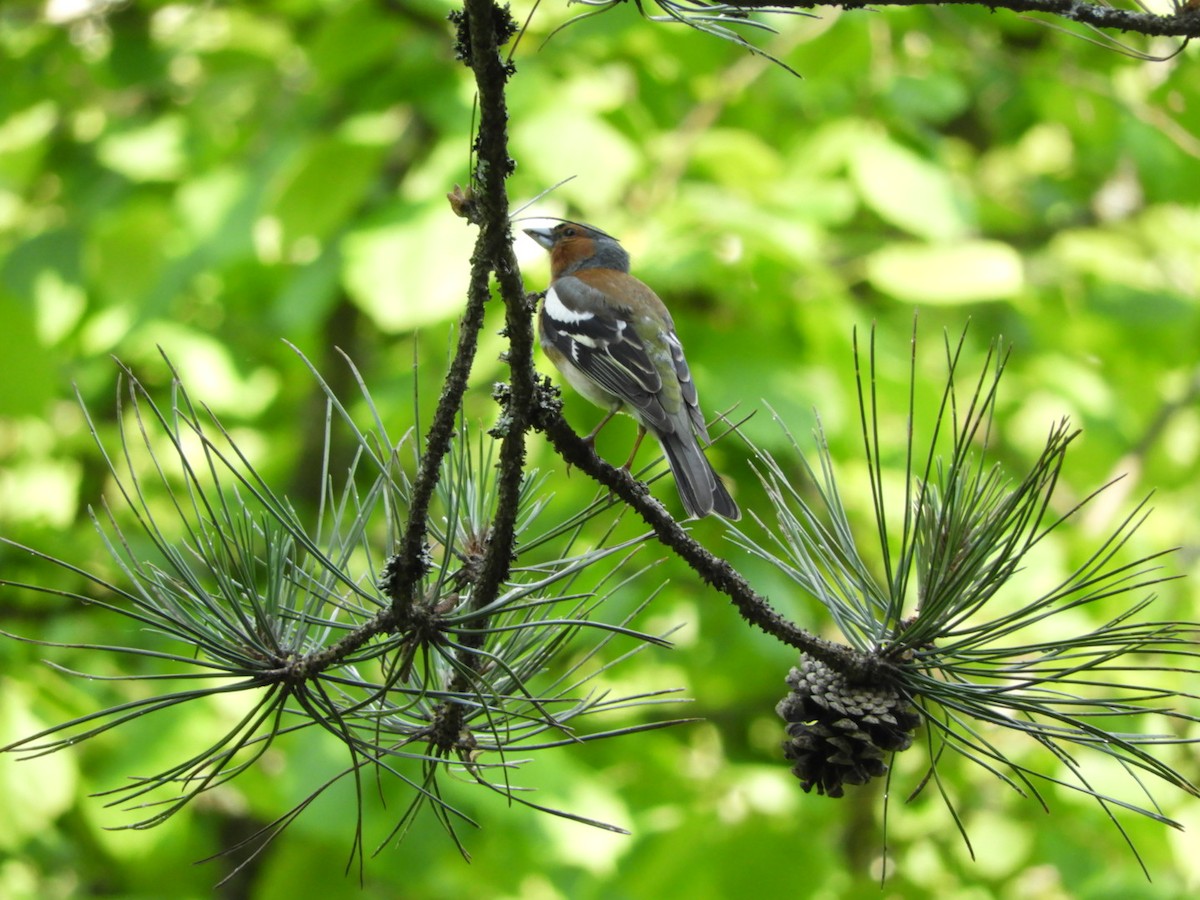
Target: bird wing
687	387
598	336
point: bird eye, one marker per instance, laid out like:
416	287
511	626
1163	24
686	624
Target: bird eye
569	232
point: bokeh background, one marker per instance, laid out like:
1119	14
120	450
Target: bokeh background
212	179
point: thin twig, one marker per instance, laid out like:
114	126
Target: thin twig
752	606
495	254
1183	22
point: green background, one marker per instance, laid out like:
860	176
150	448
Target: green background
214	179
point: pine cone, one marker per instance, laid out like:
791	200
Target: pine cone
839	733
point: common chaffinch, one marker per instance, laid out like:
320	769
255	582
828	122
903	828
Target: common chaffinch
615	343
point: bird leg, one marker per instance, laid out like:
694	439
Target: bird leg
590	440
636	444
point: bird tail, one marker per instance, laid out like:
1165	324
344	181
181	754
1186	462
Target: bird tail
700	487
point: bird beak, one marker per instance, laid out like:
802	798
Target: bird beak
542	235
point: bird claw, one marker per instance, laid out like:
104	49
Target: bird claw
590	442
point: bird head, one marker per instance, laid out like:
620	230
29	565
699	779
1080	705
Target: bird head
574	246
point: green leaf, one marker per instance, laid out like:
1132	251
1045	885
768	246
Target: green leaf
323	187
353	38
27	377
603	158
932	98
23	141
126	247
738	159
409	273
153	152
35	791
908	191
962	272
1111	257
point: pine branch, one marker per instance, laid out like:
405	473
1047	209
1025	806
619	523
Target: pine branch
1183	22
753	607
727	20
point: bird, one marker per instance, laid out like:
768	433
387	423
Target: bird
614	341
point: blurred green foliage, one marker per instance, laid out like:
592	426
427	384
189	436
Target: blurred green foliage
213	179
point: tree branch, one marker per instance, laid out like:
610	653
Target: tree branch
410	562
477	45
1184	22
487	24
752	606
487	27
